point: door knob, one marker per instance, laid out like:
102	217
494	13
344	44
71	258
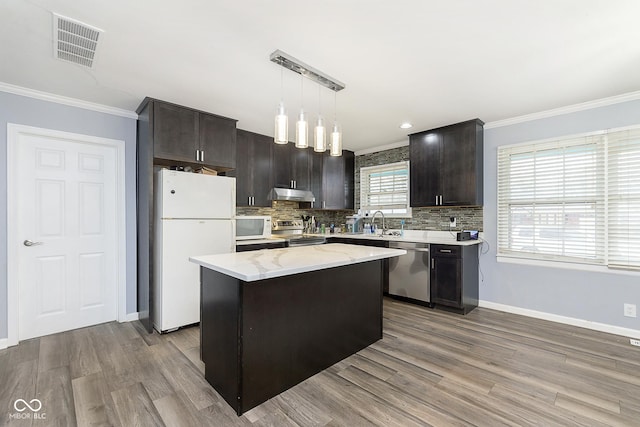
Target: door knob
30	243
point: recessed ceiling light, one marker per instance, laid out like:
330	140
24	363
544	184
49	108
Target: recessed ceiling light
405	125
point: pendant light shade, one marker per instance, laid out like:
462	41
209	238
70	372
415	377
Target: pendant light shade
302	131
302	125
336	141
320	136
281	131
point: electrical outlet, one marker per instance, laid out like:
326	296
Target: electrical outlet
634	342
452	221
630	310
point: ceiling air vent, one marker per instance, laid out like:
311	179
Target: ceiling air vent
74	41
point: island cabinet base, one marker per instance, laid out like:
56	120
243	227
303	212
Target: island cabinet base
261	338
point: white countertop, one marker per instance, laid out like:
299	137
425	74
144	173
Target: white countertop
268	263
419	236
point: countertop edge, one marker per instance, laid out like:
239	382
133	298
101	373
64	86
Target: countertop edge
382	253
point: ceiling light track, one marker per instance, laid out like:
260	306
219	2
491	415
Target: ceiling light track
293	64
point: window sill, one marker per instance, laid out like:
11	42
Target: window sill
565	265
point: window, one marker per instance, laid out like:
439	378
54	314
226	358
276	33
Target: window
574	199
386	188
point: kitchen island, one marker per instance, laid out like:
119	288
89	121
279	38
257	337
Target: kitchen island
272	318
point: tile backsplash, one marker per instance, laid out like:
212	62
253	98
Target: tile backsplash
430	218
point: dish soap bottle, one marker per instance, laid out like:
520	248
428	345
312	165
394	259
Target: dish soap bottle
402	228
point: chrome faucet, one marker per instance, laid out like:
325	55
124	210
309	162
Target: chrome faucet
373	219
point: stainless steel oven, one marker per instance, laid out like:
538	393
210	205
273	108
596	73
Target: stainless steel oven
292	232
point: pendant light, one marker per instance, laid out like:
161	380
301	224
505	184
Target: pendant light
281	131
302	126
336	135
320	135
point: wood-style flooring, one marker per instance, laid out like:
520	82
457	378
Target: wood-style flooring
431	368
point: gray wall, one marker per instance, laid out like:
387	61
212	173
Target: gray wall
596	297
33	112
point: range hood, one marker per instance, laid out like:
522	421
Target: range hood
292	195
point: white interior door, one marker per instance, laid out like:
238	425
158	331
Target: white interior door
67	221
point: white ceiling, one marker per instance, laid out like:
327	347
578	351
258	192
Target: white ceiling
431	62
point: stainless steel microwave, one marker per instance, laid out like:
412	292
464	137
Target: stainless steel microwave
253	227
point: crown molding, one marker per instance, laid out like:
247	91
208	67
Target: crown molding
72	102
631	96
382	147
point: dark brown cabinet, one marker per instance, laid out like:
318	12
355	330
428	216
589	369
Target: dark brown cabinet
189	137
290	166
253	169
217	138
172	135
262	165
337	181
316	162
369	242
175	130
329	178
454	277
446	165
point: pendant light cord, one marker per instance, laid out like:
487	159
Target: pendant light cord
281	85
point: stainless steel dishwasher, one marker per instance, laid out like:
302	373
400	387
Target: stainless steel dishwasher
409	274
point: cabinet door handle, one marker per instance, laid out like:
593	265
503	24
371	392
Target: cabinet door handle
432	264
295	184
249	201
441	200
253	200
324	204
197	155
445	251
202	155
436	200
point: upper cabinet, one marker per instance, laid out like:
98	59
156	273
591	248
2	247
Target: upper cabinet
316	163
290	166
330	179
252	172
446	165
186	136
337	181
217	140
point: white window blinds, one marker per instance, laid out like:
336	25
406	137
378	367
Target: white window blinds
574	199
386	188
624	198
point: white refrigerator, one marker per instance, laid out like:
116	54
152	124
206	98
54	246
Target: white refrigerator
194	215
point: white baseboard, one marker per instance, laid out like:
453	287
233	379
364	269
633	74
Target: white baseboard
4	343
601	327
131	317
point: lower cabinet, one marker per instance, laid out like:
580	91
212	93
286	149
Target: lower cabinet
368	242
454	277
